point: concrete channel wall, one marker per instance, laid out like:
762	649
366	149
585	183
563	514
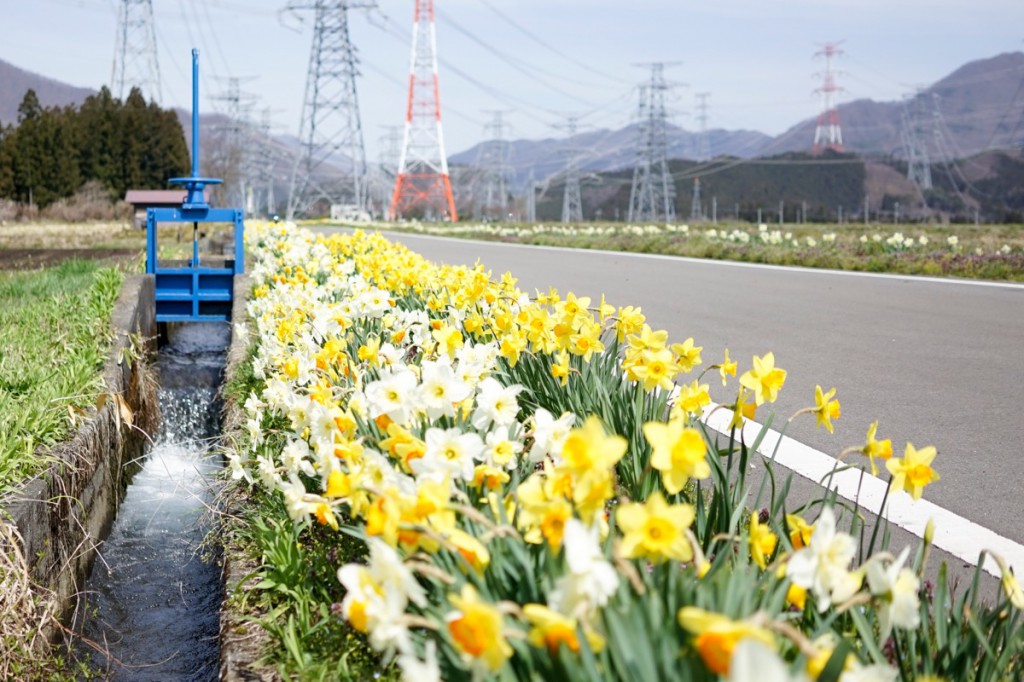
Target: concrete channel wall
63	514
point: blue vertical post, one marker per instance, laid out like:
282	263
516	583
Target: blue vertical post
195	113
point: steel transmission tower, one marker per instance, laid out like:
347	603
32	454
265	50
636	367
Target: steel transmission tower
238	149
653	194
828	134
696	205
531	199
703	141
915	140
493	163
423	184
572	200
135	63
331	165
264	160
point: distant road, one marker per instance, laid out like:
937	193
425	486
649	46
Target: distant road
935	362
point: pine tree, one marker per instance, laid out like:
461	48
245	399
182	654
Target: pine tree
99	139
6	169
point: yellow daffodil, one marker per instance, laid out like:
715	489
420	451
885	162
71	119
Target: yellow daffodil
881	449
914	471
470	549
560	367
628	321
765	379
1011	586
762	541
742	408
693	398
799	531
485	476
551	630
476	628
370	352
604	310
716	636
655	530
688	354
325	515
678	452
589	447
728	367
656	369
541	516
825	408
337	485
449	339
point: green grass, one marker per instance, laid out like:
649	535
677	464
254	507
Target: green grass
54	337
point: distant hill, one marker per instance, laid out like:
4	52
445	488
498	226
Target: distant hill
982	103
14	82
604	150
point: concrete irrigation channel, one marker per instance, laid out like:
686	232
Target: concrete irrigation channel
117	529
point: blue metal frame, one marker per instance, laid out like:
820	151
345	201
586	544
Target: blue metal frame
194	293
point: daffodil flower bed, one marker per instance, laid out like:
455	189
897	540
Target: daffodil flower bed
539	501
979	252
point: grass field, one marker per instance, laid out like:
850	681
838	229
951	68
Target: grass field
54	337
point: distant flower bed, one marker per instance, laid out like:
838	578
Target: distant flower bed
987	252
540	498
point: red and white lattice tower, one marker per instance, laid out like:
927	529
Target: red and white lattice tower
828	134
423	187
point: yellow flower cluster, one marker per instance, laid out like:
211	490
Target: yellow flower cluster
388	407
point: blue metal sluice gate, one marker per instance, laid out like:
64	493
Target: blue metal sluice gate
194	291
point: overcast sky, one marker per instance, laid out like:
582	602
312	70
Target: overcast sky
537	60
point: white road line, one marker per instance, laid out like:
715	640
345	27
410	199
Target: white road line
960	537
727	263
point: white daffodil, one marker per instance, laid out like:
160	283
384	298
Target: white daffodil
299	508
323	322
822	566
255	431
898	589
391	357
393	395
449	452
267	472
237	466
388	570
322	427
295	457
416	670
869	673
495	404
501	449
439	390
549	434
591	580
752	661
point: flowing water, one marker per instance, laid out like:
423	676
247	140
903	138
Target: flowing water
151	603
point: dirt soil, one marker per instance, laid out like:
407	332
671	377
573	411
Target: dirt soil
30	259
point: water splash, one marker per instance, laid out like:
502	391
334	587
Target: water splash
151	603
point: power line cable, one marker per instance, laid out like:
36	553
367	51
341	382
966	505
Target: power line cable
529	34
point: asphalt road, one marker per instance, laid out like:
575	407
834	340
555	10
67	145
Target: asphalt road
936	363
